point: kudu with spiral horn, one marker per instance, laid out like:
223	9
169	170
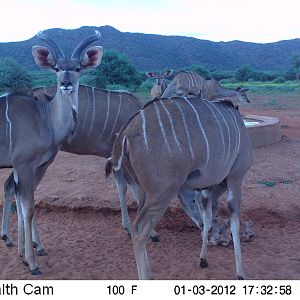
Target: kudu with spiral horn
31	131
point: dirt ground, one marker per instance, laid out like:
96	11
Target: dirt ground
79	221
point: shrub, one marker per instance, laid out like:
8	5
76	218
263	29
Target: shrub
115	68
244	74
13	76
201	70
279	79
116	87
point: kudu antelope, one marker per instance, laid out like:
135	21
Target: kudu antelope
32	131
183	143
160	82
189	83
101	115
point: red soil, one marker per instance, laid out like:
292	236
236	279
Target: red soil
79	221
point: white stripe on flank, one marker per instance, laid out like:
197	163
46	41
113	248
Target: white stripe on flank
93	115
236	132
86	108
162	127
219	125
228	131
239	132
107	113
172	125
8	123
188	79
201	128
198	83
190	75
144	129
195	79
118	112
186	129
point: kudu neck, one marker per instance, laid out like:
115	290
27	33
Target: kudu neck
62	109
226	92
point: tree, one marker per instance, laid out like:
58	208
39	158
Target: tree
115	68
244	74
201	70
13	76
296	64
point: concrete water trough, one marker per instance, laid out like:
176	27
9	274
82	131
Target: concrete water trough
262	130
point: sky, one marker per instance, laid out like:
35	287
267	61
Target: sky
260	21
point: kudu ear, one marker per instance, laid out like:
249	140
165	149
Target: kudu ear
43	58
150	74
169	73
92	57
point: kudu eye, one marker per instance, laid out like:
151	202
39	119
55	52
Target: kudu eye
78	69
56	69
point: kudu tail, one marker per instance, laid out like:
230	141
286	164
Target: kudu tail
108	167
115	161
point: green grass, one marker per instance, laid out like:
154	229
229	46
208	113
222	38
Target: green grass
263	95
269	87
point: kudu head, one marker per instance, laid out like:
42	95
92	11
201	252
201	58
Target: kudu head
160	77
241	95
160	82
68	69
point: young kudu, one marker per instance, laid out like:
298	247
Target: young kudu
180	144
32	131
190	83
160	82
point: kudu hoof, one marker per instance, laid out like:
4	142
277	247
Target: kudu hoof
25	263
36	272
34	245
8	243
42	253
203	263
154	239
240	278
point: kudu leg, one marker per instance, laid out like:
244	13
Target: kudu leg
9	190
9	193
25	203
35	235
21	236
234	199
205	203
149	214
122	189
140	198
38	244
